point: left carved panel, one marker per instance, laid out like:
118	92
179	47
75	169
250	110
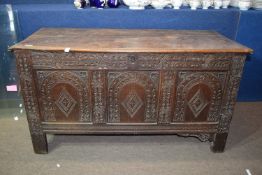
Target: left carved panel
64	95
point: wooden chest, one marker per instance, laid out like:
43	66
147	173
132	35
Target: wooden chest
79	81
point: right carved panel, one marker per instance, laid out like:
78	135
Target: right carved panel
199	96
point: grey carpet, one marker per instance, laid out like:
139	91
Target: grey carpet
134	155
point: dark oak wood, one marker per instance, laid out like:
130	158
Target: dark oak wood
219	142
129	82
121	40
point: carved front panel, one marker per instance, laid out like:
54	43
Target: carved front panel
199	96
143	88
133	96
63	95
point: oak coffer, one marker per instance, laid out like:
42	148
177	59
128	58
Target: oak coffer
106	81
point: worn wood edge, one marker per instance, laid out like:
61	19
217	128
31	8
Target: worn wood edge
248	50
134	124
244	49
137	50
126	131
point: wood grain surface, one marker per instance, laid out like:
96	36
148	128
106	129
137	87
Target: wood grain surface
115	40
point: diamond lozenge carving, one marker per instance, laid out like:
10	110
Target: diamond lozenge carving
197	103
65	102
132	103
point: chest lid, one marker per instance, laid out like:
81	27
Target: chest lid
125	40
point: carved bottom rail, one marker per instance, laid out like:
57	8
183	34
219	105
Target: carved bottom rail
204	137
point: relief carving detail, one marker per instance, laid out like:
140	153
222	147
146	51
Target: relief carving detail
23	61
132	103
168	63
99	97
231	94
65	102
119	61
198	102
166	96
47	80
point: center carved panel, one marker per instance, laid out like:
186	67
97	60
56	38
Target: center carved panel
133	96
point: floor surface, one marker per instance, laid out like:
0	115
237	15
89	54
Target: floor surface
134	155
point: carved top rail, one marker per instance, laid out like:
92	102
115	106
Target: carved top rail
142	61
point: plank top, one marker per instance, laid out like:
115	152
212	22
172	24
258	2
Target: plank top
126	40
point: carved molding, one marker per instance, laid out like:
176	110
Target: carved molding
99	96
120	61
166	96
180	127
202	137
56	60
23	61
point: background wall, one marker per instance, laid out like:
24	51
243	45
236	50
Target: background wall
243	26
250	33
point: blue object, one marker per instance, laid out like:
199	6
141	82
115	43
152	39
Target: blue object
112	3
92	3
243	26
100	3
